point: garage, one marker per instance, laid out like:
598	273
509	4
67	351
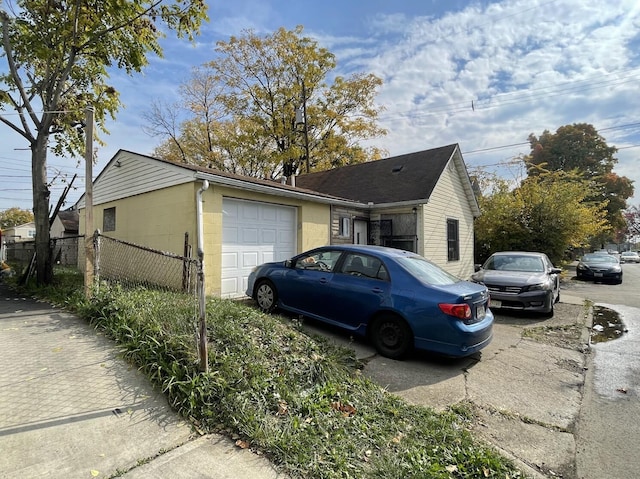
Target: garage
253	233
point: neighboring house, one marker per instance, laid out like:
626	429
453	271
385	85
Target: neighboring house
18	243
20	233
421	202
65	224
64	237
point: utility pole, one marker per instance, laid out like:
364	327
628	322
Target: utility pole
88	204
301	119
306	131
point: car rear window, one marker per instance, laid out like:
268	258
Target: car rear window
426	271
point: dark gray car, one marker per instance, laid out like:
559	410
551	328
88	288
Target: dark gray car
520	280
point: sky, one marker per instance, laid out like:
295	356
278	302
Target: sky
483	74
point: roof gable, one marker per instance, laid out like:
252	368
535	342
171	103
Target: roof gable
128	174
410	177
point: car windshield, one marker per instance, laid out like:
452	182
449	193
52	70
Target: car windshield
426	271
629	253
599	258
515	262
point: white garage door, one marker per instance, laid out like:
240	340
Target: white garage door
253	233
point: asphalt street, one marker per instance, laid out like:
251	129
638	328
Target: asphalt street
608	431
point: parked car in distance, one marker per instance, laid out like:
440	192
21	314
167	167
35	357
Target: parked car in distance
520	280
630	257
599	267
398	299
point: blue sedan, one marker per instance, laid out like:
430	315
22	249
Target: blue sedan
396	298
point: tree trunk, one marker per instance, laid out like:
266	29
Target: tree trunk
41	194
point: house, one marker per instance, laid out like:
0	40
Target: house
65	224
64	237
20	233
422	202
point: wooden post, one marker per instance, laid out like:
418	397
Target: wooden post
88	204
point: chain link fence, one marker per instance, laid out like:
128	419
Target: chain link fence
133	266
19	254
128	264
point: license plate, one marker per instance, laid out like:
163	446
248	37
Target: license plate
597	275
481	312
495	304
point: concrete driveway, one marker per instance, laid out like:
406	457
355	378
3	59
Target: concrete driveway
527	391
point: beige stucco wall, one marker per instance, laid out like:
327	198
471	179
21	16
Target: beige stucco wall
159	220
448	202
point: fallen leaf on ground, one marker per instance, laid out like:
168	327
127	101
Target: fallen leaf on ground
242	444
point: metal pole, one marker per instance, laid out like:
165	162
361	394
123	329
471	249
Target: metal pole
202	306
88	204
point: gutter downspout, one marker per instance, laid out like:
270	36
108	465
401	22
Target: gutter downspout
202	321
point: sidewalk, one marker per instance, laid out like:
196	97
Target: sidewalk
72	408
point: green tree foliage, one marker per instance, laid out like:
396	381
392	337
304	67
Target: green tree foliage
547	213
58	54
580	148
14	217
242	107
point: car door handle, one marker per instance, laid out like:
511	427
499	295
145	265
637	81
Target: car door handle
324	280
377	290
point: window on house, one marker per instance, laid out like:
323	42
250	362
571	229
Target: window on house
453	240
345	226
109	219
31	233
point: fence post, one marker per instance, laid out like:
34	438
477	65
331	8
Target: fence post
96	256
202	343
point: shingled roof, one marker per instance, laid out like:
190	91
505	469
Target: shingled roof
70	220
409	177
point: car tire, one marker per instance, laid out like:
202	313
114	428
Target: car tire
551	312
391	336
266	296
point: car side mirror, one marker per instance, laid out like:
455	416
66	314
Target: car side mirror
477	267
556	270
288	263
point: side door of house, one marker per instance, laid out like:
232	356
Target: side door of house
360	232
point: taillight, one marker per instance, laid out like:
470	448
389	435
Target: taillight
462	311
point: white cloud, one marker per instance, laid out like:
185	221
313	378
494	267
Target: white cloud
527	65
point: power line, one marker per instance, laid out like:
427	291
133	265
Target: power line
525	95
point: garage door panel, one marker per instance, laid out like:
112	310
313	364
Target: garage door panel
269	213
229	260
286	216
250	259
269	235
251	216
229	287
250	236
230	235
284	237
253	233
